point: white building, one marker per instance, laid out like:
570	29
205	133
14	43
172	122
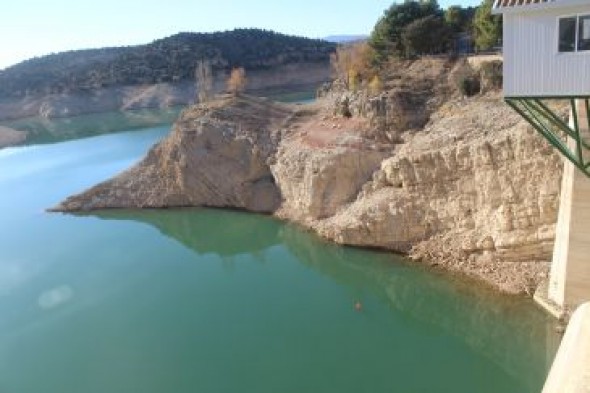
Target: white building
546	47
547	55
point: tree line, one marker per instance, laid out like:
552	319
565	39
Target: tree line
410	29
417	27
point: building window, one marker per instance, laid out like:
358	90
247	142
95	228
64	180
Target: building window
567	34
584	32
574	33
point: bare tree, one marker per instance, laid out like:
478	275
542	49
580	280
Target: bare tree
237	81
204	80
352	64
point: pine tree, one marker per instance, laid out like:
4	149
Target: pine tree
487	28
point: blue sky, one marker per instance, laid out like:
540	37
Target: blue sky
37	27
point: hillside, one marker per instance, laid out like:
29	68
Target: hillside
167	60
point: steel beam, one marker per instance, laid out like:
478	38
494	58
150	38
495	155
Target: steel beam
550	125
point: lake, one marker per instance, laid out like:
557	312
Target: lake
201	300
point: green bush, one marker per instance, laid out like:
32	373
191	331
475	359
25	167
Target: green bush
386	38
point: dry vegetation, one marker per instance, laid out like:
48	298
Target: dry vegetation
352	64
237	81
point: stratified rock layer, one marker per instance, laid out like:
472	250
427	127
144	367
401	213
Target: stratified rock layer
478	192
315	184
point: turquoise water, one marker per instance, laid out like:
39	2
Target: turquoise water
40	130
200	300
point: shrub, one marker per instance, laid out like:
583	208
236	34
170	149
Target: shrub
375	85
237	81
491	75
352	64
469	85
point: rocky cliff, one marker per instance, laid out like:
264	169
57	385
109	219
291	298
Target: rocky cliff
474	191
216	155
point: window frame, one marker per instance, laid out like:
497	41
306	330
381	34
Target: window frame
579	25
577	33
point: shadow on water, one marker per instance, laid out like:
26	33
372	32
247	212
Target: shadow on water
506	330
42	131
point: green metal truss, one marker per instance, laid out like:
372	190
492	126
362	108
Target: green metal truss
554	128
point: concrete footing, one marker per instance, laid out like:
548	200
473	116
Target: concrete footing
570	372
542	298
569	280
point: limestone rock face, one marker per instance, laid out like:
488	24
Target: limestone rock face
500	195
484	204
215	156
412	92
315	183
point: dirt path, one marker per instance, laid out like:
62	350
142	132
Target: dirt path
322	130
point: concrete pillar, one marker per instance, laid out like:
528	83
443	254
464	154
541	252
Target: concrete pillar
570	372
569	281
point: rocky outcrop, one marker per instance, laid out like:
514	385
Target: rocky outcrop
414	90
215	156
316	183
456	197
498	187
219	154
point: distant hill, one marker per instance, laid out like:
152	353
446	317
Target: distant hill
171	59
345	38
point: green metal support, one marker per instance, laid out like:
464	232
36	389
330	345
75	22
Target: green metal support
553	128
557	121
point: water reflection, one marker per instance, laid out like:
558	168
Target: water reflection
220	232
506	330
55	297
42	131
